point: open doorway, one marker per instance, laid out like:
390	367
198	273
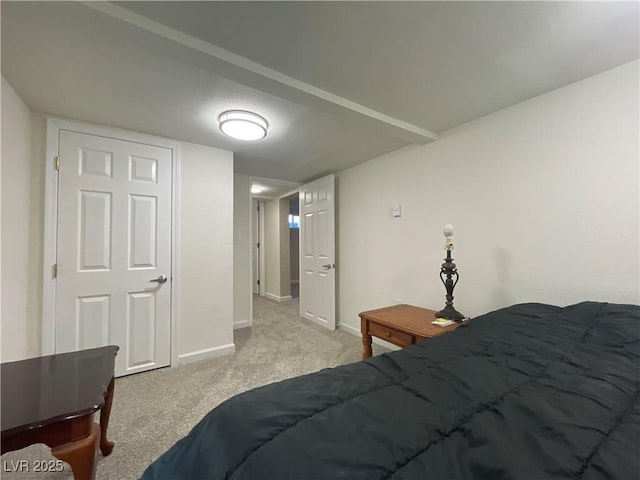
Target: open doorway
295	246
257	260
272	235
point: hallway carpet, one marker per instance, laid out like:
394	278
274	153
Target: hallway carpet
152	410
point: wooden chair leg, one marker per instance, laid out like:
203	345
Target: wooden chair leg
80	455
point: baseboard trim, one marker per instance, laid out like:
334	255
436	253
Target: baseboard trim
206	353
286	298
349	329
358	333
241	324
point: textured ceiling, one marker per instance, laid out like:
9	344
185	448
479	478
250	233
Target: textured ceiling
339	82
434	64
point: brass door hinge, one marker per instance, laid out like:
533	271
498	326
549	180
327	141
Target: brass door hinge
56	160
54	270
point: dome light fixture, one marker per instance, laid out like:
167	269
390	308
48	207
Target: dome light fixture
243	125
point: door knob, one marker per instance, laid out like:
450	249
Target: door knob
161	279
328	266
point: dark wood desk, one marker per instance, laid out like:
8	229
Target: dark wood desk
401	325
53	399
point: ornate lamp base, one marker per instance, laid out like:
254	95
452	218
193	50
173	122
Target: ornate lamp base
448	272
450	313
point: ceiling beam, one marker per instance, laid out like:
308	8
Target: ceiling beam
247	72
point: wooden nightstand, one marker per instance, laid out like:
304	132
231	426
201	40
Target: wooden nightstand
401	325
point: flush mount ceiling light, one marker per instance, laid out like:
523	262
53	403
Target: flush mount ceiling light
256	189
243	125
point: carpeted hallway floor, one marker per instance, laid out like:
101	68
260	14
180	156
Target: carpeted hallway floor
152	410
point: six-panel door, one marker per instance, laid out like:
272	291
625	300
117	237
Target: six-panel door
317	252
114	238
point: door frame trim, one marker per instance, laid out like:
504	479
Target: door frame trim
263	258
54	126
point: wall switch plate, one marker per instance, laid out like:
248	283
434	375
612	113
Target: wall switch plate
396	210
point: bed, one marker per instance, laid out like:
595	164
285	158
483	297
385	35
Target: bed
531	391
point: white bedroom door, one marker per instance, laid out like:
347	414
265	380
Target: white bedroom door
255	247
317	252
113	282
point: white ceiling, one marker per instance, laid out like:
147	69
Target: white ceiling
272	189
339	82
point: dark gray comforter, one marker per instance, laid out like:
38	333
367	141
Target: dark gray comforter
532	391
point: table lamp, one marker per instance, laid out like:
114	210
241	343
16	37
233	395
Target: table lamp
447	273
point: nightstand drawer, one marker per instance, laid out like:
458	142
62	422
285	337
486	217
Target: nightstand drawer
390	335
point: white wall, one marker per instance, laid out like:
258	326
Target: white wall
20	323
276	251
206	252
242	281
544	196
285	253
272	248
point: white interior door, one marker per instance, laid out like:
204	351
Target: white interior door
317	252
114	240
256	245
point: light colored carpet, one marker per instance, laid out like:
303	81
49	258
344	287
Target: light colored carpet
152	410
